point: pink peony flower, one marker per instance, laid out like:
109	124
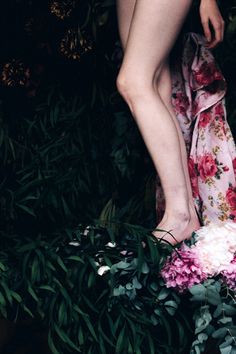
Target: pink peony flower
229	275
182	270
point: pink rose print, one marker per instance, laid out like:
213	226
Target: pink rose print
231	197
207	166
207	73
181	102
205	118
193	177
198	96
219	111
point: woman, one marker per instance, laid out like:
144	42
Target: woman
148	30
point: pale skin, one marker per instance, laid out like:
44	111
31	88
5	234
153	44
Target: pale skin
148	30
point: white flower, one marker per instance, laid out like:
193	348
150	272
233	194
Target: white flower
74	243
216	246
86	230
103	269
111	244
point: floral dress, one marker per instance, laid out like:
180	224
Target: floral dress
198	91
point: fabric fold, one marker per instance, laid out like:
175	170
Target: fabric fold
198	97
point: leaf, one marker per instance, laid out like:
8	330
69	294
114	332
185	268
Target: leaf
136	283
32	293
108	340
65	338
2	300
76	258
229	309
16	296
163	294
47	287
7	291
220	333
171	307
213	297
227	342
225	320
218	310
61	264
167	327
90	327
51	344
145	268
226	350
26	209
198	289
81	336
151	345
2	267
26	309
120	344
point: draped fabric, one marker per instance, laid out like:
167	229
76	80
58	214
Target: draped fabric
198	97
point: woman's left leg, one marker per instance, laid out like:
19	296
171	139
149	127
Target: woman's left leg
125	9
154	26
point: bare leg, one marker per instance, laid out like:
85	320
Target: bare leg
153	29
163	86
125	11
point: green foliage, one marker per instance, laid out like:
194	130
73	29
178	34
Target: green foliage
214	316
126	309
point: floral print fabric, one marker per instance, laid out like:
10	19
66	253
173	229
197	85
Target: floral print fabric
198	91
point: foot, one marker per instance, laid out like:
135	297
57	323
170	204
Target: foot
180	226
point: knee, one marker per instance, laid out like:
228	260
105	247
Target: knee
125	86
131	87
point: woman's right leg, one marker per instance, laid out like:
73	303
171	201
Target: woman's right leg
164	87
155	137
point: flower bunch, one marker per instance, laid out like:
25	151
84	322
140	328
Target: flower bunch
212	253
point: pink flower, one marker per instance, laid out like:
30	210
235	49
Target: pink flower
181	102
207	166
207	73
219	110
231	197
229	275
182	270
204	119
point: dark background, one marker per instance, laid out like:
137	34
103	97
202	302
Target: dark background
70	151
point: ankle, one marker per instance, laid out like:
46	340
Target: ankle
181	215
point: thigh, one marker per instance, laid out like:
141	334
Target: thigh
153	30
125	10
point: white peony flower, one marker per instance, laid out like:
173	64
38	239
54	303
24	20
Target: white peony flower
216	246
